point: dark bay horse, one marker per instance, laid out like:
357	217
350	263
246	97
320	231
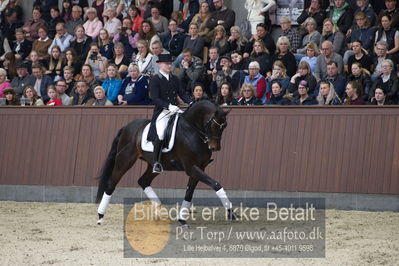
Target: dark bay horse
198	133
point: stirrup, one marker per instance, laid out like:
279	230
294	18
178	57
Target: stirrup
157	168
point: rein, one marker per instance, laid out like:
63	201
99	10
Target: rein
205	136
202	134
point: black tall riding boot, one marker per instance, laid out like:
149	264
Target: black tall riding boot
157	167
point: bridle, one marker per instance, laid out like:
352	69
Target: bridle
208	126
206	134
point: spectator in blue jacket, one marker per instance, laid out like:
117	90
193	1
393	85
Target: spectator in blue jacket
134	89
364	31
365	7
105	44
279	73
112	83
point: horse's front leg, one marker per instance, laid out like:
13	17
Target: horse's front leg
186	204
145	183
198	173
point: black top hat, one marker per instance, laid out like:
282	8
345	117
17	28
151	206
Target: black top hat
164	58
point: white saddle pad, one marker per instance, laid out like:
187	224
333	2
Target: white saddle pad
161	124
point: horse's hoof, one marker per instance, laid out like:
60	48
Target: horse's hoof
232	217
100	219
183	223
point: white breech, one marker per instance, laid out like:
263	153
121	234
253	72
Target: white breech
162	123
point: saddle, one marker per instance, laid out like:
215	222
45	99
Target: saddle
169	133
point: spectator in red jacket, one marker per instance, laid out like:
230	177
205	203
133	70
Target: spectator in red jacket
256	79
53	95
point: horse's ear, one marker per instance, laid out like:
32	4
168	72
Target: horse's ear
227	112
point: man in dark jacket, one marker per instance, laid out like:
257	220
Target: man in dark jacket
191	69
335	78
221	16
21	46
41	81
23	79
83	95
8	27
164	89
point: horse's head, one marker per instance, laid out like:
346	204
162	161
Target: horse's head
214	127
209	121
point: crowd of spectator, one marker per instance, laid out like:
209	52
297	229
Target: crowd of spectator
105	53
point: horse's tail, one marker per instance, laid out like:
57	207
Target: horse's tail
108	167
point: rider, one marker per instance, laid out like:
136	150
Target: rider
164	89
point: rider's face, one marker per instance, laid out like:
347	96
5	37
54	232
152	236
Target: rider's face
166	67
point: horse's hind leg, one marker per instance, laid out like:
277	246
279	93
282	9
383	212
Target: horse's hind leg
186	204
199	174
145	183
124	160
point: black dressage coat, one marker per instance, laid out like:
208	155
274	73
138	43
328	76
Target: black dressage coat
164	92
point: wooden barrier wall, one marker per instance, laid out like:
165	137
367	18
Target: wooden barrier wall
310	149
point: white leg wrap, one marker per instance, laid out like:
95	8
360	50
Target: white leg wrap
151	194
184	210
224	199
104	203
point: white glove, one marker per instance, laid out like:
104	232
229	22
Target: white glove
173	108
